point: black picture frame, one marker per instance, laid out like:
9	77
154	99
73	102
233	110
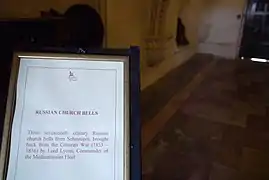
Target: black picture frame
134	96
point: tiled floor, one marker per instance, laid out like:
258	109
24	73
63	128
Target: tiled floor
208	119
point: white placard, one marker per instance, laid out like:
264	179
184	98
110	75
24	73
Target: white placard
69	120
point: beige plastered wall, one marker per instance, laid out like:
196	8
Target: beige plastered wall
190	11
127	23
220	29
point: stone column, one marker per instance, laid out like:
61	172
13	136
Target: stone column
155	42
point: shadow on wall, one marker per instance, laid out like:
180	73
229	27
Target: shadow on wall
190	13
82	27
85	26
181	34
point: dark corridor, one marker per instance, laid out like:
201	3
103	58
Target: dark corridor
255	40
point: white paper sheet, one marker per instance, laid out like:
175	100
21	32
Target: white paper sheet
69	121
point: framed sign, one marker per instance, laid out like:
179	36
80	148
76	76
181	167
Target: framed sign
73	116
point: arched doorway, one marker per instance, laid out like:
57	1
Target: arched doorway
85	26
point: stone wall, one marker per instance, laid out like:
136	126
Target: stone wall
220	29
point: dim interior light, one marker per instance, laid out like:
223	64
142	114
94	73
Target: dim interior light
259	60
